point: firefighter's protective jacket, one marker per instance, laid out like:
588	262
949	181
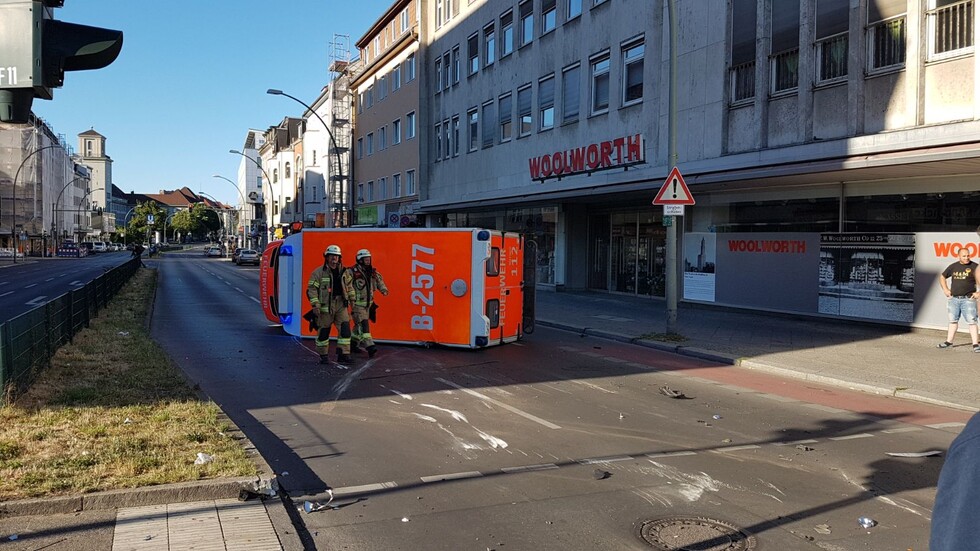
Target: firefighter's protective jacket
365	285
320	287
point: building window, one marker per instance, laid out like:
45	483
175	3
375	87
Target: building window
396	185
548	16
438	75
446	71
785	71
410	182
600	83
370	144
287	171
396	132
370	97
438	137
597	2
527	21
506	117
570	93
488	127
404	20
396	78
886	44
456	64
785	46
546	103
382	138
574	8
489	45
382	188
524	116
410	125
447	147
360	148
410	68
360	193
633	73
275	175
832	39
383	87
506	33
744	14
473	119
377	46
950	28
370	191
455	135
438	13
473	53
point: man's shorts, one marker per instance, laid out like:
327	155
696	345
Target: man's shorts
967	307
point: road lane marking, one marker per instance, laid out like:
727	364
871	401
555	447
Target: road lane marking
851	436
256	300
76	282
36	300
31	285
669	454
595	460
795	442
902	429
530	468
510	408
946	425
7	293
737	448
49	279
239	290
453	476
349	490
4	283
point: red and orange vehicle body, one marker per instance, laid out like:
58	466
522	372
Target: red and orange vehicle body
463	287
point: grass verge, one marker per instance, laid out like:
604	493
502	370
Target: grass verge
112	412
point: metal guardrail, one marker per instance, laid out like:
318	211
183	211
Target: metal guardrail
30	340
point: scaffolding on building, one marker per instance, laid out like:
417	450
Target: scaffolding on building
338	173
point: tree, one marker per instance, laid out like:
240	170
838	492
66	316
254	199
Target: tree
182	222
205	219
138	226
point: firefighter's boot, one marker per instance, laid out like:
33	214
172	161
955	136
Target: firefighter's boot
372	350
324	359
354	348
343	358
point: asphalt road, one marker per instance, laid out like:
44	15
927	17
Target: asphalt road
30	282
557	442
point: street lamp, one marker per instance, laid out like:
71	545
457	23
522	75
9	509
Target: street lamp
241	211
13	195
264	173
57	203
216	211
336	149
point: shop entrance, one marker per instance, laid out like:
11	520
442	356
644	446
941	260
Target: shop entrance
626	253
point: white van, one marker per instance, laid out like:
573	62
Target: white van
100	247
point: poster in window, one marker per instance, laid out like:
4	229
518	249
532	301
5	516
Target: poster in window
867	275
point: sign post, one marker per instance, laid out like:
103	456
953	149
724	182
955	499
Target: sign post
673	195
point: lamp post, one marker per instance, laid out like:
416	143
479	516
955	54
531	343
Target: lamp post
57	203
241	211
126	225
264	173
336	149
13	195
216	211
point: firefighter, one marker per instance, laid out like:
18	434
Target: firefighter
330	291
366	280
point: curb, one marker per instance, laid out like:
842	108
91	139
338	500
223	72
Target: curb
712	356
220	488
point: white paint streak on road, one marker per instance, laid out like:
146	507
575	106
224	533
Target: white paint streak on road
530	468
420	416
393	391
946	425
600	460
669	454
455	414
453	476
256	300
596	387
851	437
492	440
36	301
510	408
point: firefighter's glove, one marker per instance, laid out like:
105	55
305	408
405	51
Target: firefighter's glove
311	319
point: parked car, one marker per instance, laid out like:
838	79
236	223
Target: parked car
248	256
100	247
234	255
214	252
90	246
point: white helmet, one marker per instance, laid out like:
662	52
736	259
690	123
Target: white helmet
332	249
363	253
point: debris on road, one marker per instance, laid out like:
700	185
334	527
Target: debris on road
716	417
600	474
805	448
671	393
867	522
822	528
203	458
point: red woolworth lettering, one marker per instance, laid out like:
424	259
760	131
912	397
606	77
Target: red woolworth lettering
558	161
546	165
767	246
592	156
953	249
606	152
535	167
578	159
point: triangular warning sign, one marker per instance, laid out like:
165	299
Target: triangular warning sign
674	191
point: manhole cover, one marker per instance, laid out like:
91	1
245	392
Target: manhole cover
694	534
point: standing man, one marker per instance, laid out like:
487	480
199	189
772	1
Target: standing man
962	295
329	291
365	280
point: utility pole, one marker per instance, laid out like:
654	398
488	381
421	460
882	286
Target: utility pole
671	260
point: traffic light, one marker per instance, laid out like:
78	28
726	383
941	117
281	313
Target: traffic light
36	50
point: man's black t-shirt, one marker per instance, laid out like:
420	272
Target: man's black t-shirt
963	278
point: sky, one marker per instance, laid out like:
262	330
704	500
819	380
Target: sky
191	79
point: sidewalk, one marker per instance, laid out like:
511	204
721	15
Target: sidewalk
887	360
